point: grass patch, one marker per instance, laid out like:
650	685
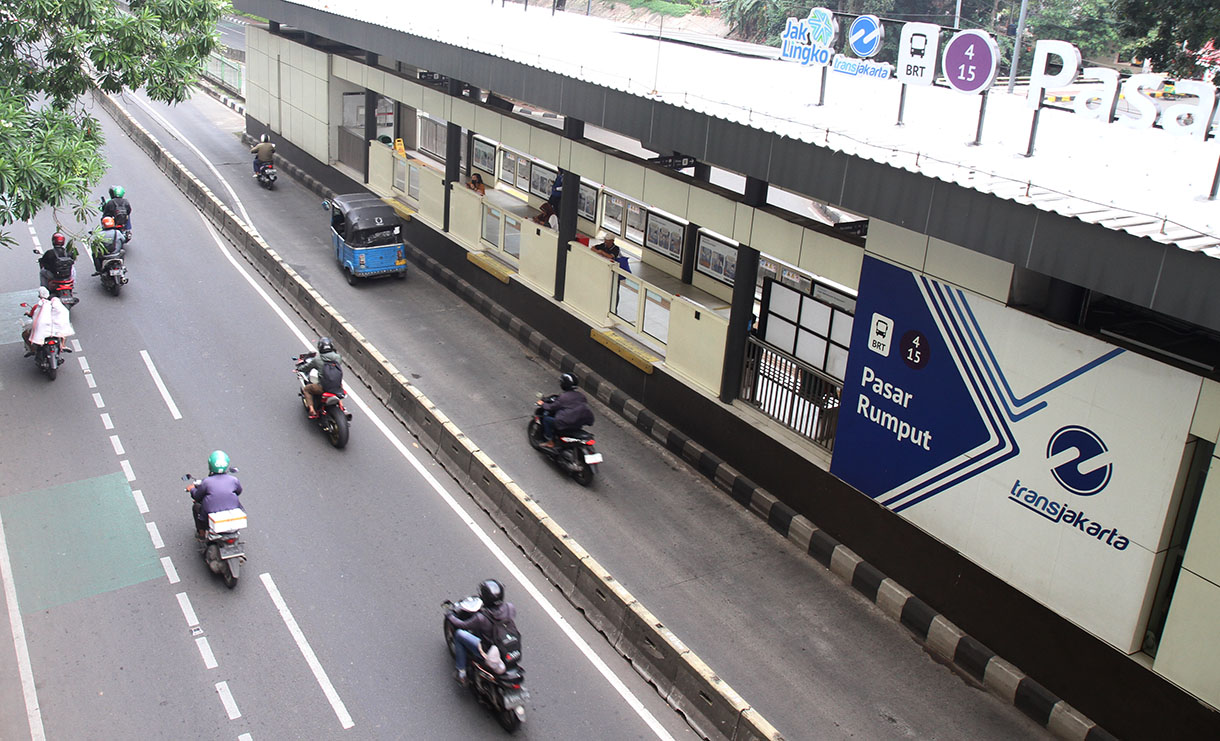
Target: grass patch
676	10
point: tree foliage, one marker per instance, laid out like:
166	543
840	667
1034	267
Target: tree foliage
1161	28
50	52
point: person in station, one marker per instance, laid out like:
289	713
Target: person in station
607	248
547	216
476	184
556	192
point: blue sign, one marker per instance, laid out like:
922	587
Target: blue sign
865	35
1088	448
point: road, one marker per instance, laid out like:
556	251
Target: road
116	629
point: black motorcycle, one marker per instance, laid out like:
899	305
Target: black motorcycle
222	548
504	694
333	417
113	272
49	355
266	176
573	452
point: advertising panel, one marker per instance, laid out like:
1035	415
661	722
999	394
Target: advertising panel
1045	456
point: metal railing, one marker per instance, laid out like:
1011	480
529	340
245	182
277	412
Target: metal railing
791	392
228	74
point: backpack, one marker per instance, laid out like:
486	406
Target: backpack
62	266
503	634
119	211
331	378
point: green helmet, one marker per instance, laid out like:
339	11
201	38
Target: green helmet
116	191
218	462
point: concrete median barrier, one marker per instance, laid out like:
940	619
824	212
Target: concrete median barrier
751	726
710	705
454	450
558	555
653	650
489	483
601	598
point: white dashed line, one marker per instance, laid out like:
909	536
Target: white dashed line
84	363
89	380
155	535
118	446
245	737
106	421
75	345
126	466
226	697
170	572
209	659
97	399
140	503
152	369
188	612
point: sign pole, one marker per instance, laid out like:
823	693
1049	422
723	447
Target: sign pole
902	102
1215	182
1016	47
1033	131
978	135
822	92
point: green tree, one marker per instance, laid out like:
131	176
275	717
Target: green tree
49	51
1160	28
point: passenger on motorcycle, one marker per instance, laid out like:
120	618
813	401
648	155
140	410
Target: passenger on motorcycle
118	208
48	318
568	412
217	493
57	263
264	153
330	374
473	635
109	242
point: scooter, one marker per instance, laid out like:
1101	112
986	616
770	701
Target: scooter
573	452
505	694
266	176
125	226
333	418
222	548
113	272
49	355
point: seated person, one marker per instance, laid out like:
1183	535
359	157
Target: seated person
476	184
607	248
547	216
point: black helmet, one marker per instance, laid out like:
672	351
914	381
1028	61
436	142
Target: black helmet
325	345
491	592
567	382
57	240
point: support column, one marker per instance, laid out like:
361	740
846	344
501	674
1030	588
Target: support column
689	237
703	171
740	315
567	228
453	153
370	128
756	192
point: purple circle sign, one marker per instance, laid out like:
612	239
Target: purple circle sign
969	61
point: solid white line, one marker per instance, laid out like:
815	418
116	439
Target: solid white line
581	644
126	466
97	399
140	503
118	446
84	363
106	421
155	535
209	659
89	380
32	712
311	658
170	572
188	611
152	369
226	697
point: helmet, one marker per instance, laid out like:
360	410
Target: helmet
116	191
325	345
58	239
107	222
264	138
218	462
43	292
567	382
491	592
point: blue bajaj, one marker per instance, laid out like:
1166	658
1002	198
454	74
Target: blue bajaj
367	237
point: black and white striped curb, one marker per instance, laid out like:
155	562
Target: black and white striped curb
939	636
237	105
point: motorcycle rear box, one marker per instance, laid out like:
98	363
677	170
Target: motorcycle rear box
227	521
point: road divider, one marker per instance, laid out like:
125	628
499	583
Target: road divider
687	684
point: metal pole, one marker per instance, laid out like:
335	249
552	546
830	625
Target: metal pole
902	102
957	16
978	135
1016	47
822	92
1215	183
1033	131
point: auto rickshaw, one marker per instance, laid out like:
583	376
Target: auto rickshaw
367	237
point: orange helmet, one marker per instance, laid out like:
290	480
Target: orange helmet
107	222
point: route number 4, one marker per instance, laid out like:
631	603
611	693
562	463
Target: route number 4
964	71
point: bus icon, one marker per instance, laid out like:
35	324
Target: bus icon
879	338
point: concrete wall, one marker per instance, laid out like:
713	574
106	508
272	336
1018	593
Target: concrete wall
588	284
696	343
288	89
949	262
466	217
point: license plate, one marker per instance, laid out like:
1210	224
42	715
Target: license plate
231	551
593	458
514	699
116	271
400	262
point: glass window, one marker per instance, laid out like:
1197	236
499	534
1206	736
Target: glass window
627	299
656	315
512	236
413	181
491	225
400	174
433	135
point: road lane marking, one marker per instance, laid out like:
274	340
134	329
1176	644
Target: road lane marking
75	345
106	421
311	658
118	446
209	659
245	737
126	466
84	363
170	572
152	369
97	399
188	611
89	380
155	535
140	503
226	697
580	643
33	713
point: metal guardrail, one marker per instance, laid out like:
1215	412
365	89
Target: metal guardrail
791	392
226	73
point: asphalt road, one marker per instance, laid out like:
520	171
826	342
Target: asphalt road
127	633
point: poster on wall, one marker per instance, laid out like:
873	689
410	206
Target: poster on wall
664	236
586	202
716	259
1045	456
541	180
485	155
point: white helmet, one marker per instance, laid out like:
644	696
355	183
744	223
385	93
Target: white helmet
264	138
43	292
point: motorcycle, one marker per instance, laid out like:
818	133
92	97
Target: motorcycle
505	694
113	272
266	176
333	417
126	225
222	548
49	355
573	452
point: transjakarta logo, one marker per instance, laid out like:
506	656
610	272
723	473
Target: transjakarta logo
1088	447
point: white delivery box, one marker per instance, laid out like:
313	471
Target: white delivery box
227	521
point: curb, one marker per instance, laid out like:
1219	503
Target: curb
707	703
239	106
937	633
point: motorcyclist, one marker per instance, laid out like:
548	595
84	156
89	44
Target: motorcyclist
217	493
119	209
48	318
567	412
473	635
326	361
109	242
57	262
264	153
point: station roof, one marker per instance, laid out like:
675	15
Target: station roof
699	95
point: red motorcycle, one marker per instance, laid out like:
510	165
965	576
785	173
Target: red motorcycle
333	417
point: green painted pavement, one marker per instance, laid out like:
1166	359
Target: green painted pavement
74	541
11	311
